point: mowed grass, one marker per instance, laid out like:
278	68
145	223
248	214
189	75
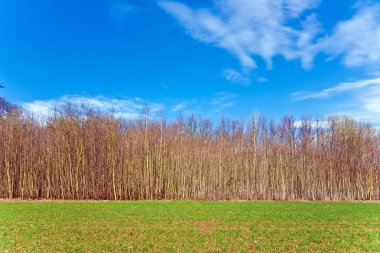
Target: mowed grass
188	226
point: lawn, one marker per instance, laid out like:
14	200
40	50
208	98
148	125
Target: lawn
187	226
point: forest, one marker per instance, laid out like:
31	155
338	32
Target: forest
81	154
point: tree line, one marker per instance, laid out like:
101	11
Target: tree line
82	154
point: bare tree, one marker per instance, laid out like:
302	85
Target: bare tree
6	107
89	155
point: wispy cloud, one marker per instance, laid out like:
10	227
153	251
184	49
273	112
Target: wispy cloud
134	108
222	101
164	86
360	99
218	104
342	87
121	108
249	29
260	29
235	76
357	39
370	102
261	79
180	106
312	124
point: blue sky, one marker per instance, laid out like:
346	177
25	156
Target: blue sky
222	57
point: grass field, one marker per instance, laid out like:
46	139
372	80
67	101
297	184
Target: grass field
189	227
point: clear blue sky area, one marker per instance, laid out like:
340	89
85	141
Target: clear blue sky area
222	57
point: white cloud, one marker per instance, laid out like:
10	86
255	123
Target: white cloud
213	107
357	40
133	108
39	108
370	103
252	29
235	76
362	103
249	29
312	124
261	79
180	106
121	108
222	101
342	87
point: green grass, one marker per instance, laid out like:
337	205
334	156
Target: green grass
189	227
